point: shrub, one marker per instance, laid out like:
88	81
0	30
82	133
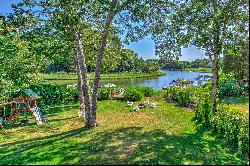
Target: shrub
243	138
147	91
229	88
53	94
105	93
133	94
203	110
183	96
171	93
136	93
233	126
72	93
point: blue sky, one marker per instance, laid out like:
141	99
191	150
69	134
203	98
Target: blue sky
144	48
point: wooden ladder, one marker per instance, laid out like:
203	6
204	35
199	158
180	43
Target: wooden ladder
13	115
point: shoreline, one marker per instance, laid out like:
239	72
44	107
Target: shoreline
71	76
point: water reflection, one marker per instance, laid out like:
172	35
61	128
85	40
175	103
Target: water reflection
156	83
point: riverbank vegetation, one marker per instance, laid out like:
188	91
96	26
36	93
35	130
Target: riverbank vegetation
198	65
201	70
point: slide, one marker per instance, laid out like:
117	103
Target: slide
38	115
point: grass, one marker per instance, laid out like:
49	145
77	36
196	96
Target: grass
203	70
165	135
72	76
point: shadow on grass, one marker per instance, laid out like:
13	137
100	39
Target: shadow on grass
17	125
57	109
121	146
46	112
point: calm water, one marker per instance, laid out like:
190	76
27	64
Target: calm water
156	83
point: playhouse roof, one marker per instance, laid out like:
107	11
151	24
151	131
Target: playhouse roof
30	93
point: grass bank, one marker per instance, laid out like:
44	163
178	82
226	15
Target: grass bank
202	70
165	135
126	75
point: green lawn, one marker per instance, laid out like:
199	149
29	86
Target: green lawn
165	135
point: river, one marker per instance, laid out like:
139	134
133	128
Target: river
156	83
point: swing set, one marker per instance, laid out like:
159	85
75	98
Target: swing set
26	104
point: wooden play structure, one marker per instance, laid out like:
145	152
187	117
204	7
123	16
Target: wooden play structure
25	103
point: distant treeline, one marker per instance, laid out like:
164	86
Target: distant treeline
181	65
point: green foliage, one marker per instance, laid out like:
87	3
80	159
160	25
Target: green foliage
198	65
243	138
186	97
229	86
134	93
54	94
18	65
130	62
105	93
71	93
202	70
147	91
236	60
233	126
59	66
194	97
203	111
171	93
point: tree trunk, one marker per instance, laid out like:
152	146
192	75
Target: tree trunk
214	83
85	83
216	52
109	19
79	87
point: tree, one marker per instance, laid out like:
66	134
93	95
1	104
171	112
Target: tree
19	66
74	17
210	25
69	20
236	60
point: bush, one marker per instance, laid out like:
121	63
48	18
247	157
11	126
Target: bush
147	91
133	94
203	110
171	93
72	93
186	97
136	93
243	138
54	94
105	93
230	88
233	126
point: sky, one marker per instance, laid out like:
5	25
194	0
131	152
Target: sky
144	48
